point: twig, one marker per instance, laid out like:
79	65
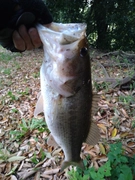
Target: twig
114	53
27	173
123	82
127	55
117	64
111	80
121	54
105	72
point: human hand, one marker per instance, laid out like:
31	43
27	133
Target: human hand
24	39
19	17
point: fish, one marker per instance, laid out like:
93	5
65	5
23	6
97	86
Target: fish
66	96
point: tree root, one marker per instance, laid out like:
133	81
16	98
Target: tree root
128	83
122	55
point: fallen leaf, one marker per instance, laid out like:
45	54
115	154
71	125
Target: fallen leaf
13	177
131	144
8	167
102	126
124	113
51	171
124	134
37	176
114	132
102	148
16	158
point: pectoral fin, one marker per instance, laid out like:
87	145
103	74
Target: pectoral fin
94	134
39	106
51	141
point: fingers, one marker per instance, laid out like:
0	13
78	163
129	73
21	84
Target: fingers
33	33
24	39
18	41
25	36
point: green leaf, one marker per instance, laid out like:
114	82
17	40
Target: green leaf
105	170
126	171
16	158
1	161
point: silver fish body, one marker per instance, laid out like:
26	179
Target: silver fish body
68	119
66	87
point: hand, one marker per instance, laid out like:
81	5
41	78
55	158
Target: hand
24	39
15	16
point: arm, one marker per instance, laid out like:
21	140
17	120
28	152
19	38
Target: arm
17	31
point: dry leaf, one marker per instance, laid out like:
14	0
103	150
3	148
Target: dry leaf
111	113
13	177
8	167
51	171
37	176
27	173
16	158
102	148
114	132
131	144
124	113
124	134
102	126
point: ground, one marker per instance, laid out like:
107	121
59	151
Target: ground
24	153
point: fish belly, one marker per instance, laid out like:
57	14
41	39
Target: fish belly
68	119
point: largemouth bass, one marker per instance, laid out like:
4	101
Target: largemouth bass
66	90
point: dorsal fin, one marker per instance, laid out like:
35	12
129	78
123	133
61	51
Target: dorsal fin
39	105
51	141
94	134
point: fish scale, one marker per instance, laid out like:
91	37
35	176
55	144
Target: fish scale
66	89
69	122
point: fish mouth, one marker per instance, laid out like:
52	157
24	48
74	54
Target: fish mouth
65	33
65	60
67	27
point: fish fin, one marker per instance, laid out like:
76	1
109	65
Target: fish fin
38	95
39	105
95	99
94	134
65	164
51	141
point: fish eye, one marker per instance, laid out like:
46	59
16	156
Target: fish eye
83	52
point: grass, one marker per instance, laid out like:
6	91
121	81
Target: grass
6	56
15	96
126	99
26	128
118	167
36	74
25	92
101	86
38	158
12	96
5	156
133	123
6	71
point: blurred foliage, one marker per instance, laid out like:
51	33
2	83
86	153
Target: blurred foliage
110	23
68	11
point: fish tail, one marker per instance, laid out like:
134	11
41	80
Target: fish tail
65	164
